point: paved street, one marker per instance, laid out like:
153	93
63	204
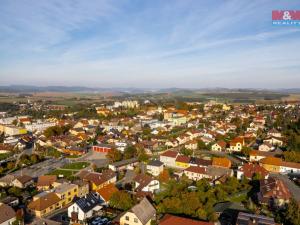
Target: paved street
42	168
295	190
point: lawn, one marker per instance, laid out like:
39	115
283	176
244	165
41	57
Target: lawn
64	173
76	166
5	156
239	197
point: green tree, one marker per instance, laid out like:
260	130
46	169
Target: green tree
114	155
201	145
292	213
187	152
121	200
10	165
130	152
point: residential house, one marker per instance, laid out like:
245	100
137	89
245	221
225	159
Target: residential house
44	204
22	181
274	133
124	165
155	167
219	146
46	182
271	164
169	158
7	180
221	162
193	145
255	156
85	207
289	167
176	220
265	147
106	192
6	148
275	141
98	180
217	172
237	144
249	170
11	201
194	161
145	183
273	192
196	173
253	219
182	161
66	192
83	187
140	214
7	214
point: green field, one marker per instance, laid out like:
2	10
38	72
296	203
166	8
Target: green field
76	166
64	173
4	156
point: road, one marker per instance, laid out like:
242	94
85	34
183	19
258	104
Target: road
294	189
42	168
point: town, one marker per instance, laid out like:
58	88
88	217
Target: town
134	161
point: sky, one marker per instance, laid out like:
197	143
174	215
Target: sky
148	44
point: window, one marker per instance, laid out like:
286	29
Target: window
135	220
127	218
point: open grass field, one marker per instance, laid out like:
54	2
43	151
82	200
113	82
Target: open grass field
63	173
76	165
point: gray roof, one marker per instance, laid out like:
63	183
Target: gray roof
63	188
6	213
90	201
246	218
155	163
217	171
125	162
144	211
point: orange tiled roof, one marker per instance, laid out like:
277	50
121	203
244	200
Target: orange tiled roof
44	202
107	191
221	162
176	220
271	161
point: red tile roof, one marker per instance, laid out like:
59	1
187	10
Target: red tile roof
170	153
221	162
196	169
107	191
183	159
250	169
274	188
176	220
271	161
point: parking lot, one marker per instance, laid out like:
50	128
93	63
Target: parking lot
97	158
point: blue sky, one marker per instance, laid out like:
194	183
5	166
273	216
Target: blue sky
148	43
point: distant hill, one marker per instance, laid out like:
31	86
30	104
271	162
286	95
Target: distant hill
30	89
